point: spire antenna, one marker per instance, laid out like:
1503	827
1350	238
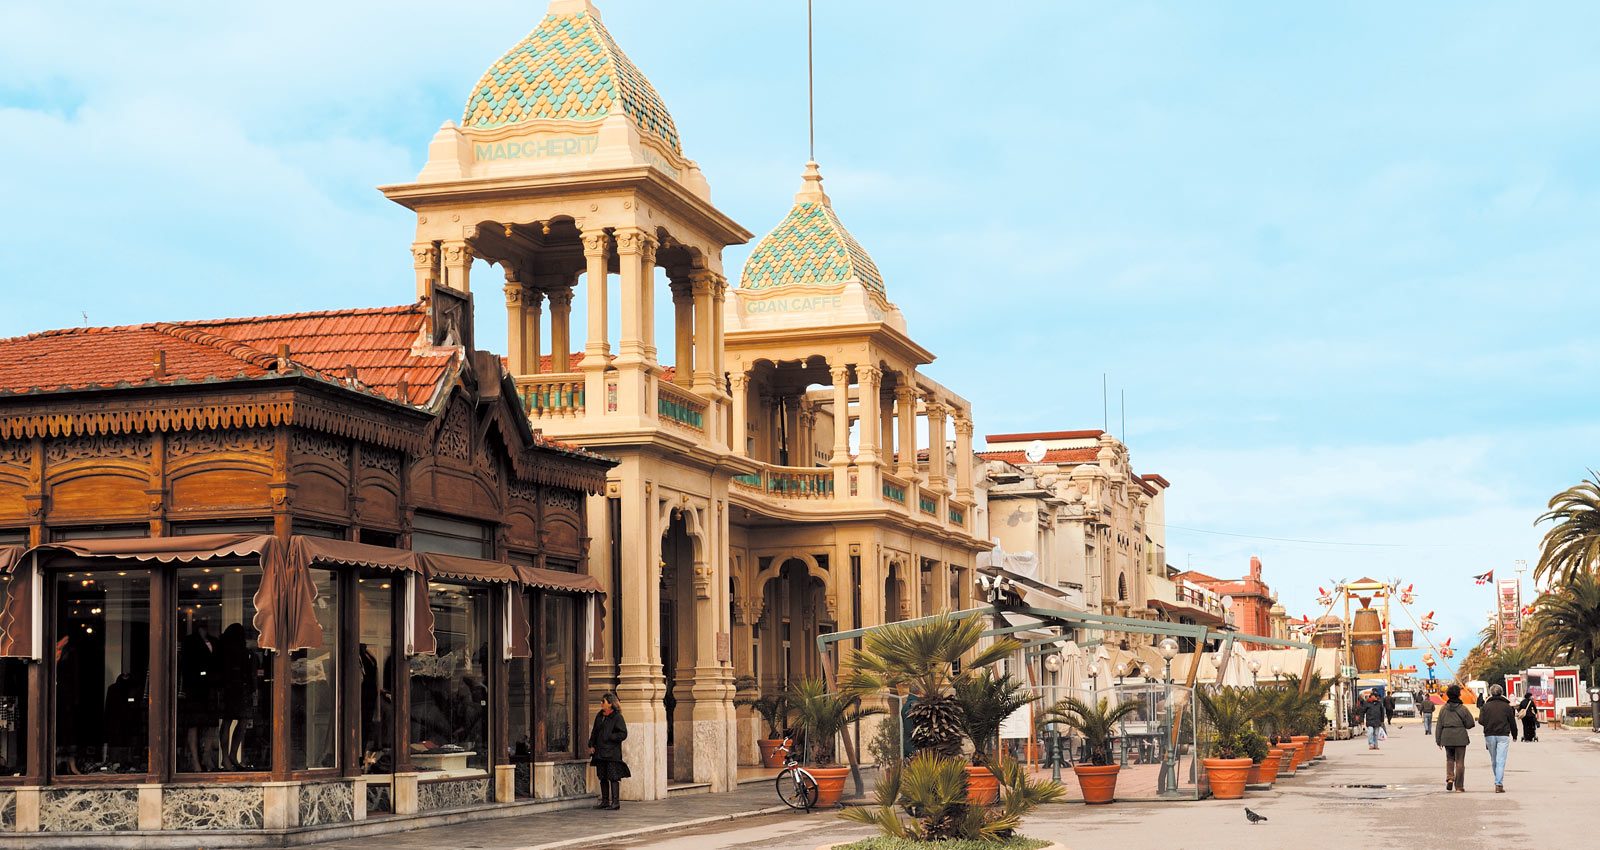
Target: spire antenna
811	91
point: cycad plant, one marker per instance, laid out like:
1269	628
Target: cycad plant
929	657
1097	724
822	715
1572	545
986	701
926	800
1228	710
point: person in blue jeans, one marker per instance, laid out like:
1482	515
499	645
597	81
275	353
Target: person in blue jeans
1375	717
1425	705
1499	722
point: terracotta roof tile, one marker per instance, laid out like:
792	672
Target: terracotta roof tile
1091	434
1082	455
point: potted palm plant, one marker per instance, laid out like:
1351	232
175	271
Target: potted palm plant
986	701
774	712
1097	724
1260	700
1234	745
926	800
821	716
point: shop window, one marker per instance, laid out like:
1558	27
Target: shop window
559	659
522	559
307	528
561	565
314	681
375	656
259	526
449	536
101	655
98	532
223	686
13	715
450	689
380	538
13	537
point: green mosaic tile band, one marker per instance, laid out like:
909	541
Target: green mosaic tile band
568	68
810	246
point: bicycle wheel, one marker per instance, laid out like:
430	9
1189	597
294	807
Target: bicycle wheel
797	789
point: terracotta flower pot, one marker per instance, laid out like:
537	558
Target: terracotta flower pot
983	789
830	784
771	756
1272	764
1291	760
1098	784
1322	741
1227	777
1302	755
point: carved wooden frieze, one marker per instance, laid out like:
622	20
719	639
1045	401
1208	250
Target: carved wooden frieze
455	434
132	447
334	450
187	444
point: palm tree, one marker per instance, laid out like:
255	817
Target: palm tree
928	657
1565	624
1096	723
987	700
1572	545
822	715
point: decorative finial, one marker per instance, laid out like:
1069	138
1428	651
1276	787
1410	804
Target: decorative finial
811	189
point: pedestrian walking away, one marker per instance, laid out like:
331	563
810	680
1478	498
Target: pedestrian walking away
605	752
1499	721
1451	735
1388	708
1375	717
1426	706
1528	710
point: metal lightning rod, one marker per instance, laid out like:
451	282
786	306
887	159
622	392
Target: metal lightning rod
811	90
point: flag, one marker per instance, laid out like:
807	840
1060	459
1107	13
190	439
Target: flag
1484	578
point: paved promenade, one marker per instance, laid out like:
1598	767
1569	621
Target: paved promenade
1393	797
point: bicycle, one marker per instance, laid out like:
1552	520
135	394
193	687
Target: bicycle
796	786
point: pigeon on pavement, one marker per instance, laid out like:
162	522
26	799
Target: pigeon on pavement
1252	817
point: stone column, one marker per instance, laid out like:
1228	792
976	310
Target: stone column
425	259
597	350
906	401
886	424
561	330
706	366
841	431
516	324
719	298
869	382
963	458
640	685
683	325
458	266
532	342
938	456
636	357
740	382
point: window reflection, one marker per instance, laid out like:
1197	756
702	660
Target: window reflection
314	695
224	684
375	657
101	656
13	715
449	690
559	659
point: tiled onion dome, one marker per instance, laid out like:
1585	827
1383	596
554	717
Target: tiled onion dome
810	246
568	68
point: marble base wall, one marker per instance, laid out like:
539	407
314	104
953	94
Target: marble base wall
452	794
89	809
380	800
326	802
554	780
212	807
8	811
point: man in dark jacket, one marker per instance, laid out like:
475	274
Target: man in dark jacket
1375	718
1450	733
1499	721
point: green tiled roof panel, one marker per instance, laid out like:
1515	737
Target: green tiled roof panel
568	68
810	246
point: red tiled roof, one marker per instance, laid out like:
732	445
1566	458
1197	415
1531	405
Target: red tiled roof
1090	434
382	344
1080	455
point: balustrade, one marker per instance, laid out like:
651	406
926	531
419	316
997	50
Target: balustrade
928	504
551	396
681	408
894	488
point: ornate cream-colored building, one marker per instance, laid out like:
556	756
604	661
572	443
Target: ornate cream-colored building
770	484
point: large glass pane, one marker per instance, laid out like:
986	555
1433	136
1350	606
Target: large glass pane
520	699
449	690
224	681
375	655
314	691
559	657
448	536
102	655
13	715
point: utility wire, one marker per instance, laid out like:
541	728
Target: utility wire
1316	542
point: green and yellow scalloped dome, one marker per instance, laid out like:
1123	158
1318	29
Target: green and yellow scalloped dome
568	68
810	246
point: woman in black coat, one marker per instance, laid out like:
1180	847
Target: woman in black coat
605	751
1529	713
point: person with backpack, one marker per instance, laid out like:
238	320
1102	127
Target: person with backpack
1450	733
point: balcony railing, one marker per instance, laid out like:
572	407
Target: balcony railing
681	408
894	489
553	396
789	482
928	504
958	516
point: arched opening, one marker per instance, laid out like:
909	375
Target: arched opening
677	623
1122	587
796	612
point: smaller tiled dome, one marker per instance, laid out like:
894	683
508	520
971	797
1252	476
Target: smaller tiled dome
810	246
568	68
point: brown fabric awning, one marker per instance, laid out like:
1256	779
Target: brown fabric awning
465	569
16	604
323	550
558	580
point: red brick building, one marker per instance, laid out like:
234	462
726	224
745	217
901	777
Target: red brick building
1253	599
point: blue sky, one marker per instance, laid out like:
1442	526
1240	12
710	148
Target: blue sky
1341	260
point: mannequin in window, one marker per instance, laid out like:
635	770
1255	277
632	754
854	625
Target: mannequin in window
199	701
237	665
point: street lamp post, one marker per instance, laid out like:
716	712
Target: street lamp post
1255	668
1052	662
1169	745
